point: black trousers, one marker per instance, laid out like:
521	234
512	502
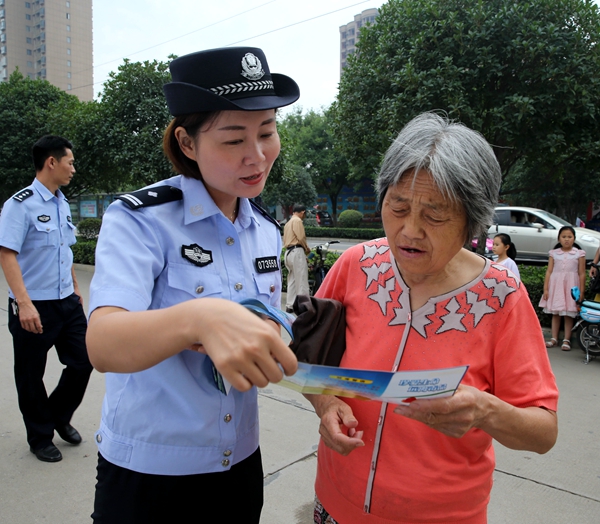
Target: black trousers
64	326
128	497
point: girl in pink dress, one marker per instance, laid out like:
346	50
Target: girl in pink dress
566	269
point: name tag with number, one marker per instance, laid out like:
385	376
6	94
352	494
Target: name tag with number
266	264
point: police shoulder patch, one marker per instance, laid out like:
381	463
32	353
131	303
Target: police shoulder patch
23	195
151	196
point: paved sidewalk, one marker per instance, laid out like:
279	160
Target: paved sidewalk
560	487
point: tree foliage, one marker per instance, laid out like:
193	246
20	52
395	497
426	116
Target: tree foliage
135	109
525	74
314	148
26	109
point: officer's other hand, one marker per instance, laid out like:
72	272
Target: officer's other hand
245	349
30	318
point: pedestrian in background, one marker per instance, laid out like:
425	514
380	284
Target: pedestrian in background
566	269
504	247
296	250
45	307
175	443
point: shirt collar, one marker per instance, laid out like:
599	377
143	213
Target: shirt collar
199	205
45	193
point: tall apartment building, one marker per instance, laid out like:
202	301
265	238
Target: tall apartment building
48	39
349	34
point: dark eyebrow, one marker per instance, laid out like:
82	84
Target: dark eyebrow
241	128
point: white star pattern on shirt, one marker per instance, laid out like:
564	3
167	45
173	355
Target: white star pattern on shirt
500	267
371	250
382	297
374	271
453	319
500	289
479	308
420	319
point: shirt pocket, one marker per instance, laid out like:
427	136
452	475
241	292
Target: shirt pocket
45	235
267	284
70	234
187	282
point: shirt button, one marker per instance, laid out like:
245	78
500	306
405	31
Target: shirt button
227	452
227	418
238	287
229	241
200	289
98	438
225	463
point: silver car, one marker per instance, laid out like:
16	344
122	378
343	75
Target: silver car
535	232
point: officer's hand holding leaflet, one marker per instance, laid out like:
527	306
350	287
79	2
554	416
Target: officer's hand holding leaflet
244	348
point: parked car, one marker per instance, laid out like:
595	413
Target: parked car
594	222
535	232
323	218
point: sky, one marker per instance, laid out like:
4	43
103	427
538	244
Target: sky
300	38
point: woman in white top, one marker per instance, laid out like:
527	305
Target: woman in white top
507	252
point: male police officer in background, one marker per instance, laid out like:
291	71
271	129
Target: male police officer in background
45	306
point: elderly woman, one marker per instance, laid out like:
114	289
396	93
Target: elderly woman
419	300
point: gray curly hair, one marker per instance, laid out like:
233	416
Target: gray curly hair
460	160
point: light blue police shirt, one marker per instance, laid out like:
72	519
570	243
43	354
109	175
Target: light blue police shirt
38	226
171	419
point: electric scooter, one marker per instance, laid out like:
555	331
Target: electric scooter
317	265
588	326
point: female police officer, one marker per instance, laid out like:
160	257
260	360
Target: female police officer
173	441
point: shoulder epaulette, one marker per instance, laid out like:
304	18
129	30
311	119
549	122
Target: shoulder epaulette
23	195
265	213
151	196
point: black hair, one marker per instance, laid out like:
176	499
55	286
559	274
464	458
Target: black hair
49	146
506	240
192	124
298	208
565	228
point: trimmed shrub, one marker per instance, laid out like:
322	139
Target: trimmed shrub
84	252
350	218
339	232
89	228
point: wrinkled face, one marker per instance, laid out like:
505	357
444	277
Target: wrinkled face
498	247
566	239
236	152
424	229
63	169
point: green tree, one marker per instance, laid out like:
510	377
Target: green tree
136	115
314	148
26	113
525	74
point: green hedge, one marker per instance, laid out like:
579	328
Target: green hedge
89	228
84	252
340	232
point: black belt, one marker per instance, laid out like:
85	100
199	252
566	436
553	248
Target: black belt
293	247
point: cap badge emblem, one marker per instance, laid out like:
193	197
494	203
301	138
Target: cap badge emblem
251	67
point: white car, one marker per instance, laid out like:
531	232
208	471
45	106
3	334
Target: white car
535	232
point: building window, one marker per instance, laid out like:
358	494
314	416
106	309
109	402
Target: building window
69	74
68	16
28	5
68	3
68	39
68	87
68	51
68	63
29	52
28	40
3	38
29	63
27	17
28	28
69	28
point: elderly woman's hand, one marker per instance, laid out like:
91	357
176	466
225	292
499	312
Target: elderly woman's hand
338	424
452	416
